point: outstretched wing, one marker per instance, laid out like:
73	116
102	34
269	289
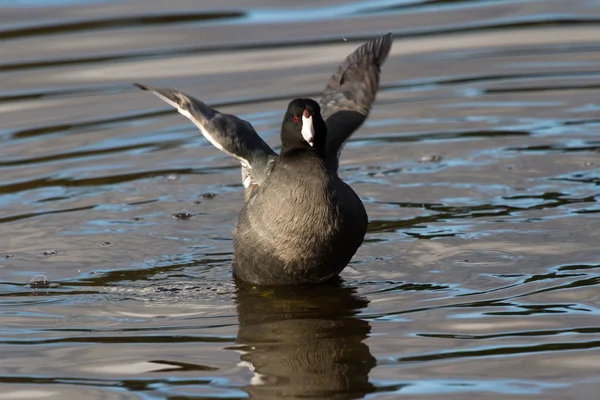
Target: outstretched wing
227	133
350	93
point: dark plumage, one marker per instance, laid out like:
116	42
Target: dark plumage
300	222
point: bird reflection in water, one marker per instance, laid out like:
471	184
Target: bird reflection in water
304	341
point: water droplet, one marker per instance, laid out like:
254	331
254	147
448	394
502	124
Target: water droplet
39	282
432	158
184	215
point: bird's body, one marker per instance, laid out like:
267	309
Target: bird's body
300	222
305	233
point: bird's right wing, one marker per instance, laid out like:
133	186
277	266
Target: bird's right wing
227	133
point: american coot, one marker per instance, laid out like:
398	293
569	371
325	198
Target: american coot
300	222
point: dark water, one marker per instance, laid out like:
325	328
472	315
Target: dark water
480	273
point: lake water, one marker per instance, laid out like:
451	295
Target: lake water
479	168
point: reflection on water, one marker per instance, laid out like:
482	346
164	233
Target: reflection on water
478	167
304	342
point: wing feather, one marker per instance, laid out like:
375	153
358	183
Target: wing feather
226	132
350	93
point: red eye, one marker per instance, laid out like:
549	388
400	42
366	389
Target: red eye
296	119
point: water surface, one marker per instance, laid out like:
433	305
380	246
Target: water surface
478	168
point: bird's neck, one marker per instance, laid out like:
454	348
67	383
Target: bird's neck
302	150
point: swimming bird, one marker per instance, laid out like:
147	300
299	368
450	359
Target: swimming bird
300	223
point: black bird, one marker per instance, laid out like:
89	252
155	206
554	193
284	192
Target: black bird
300	222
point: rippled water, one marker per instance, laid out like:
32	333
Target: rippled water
480	273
